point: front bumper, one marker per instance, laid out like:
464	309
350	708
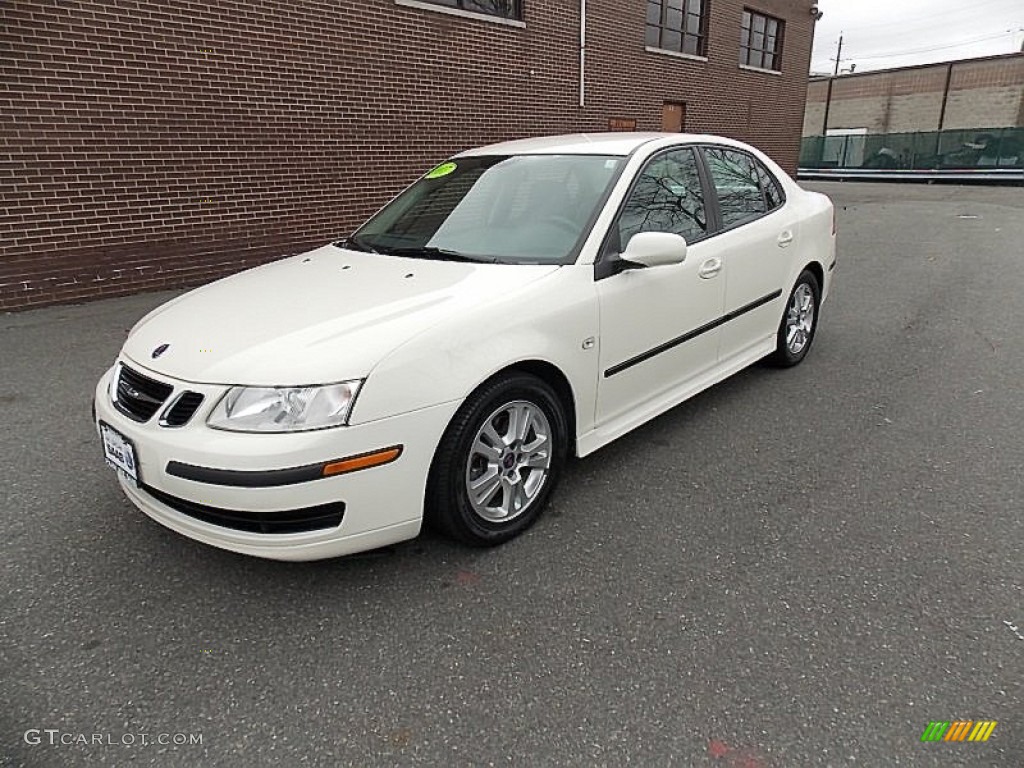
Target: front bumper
382	504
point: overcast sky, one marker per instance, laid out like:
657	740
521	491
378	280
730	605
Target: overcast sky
879	34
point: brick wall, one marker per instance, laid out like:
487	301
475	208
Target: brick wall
151	146
983	93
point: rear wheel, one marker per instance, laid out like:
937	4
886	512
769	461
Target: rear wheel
498	461
796	331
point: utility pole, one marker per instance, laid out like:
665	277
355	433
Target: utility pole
828	97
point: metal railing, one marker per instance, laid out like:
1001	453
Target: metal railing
985	153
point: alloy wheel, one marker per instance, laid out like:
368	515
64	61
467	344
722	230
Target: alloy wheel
509	461
799	319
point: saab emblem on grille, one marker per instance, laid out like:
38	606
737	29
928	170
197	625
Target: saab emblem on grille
160	350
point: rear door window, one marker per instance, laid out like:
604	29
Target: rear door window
739	182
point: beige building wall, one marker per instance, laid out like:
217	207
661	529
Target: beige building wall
983	93
908	113
814	118
865	112
814	113
984	108
986	94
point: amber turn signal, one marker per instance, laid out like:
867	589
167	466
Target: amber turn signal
362	461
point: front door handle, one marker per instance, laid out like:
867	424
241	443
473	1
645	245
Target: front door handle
710	268
785	239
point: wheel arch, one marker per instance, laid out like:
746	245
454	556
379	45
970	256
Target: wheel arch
551	375
816	269
438	514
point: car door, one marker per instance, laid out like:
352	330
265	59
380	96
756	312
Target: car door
658	324
758	237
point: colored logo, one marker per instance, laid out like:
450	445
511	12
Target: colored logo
959	730
160	350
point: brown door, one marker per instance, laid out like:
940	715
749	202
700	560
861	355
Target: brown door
673	117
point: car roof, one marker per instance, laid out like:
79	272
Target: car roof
585	144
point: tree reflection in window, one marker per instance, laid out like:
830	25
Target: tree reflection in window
667	198
735	175
772	191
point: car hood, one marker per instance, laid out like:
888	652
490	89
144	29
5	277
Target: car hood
323	316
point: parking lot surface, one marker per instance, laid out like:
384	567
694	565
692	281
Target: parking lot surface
796	568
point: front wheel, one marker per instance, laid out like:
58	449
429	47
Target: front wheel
498	461
796	331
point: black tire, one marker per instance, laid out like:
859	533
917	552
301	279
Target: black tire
784	355
449	508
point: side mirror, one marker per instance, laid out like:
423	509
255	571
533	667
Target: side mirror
655	249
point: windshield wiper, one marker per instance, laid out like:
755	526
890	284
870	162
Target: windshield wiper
355	243
430	252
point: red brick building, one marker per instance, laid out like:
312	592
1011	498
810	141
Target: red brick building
152	145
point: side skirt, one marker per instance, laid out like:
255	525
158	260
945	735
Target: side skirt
603	434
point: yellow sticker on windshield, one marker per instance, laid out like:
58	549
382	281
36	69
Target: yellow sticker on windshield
442	170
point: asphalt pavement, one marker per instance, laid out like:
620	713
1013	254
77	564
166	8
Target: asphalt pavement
796	568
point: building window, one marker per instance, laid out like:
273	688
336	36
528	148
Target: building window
505	9
677	25
761	41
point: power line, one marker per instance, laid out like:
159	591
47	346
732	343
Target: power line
904	32
959	44
928	49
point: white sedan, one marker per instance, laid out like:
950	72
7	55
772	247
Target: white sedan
519	303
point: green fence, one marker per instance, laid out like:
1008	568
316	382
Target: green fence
980	148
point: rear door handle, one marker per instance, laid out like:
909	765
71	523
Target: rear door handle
785	239
710	268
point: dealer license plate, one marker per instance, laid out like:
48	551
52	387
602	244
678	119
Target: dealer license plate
119	452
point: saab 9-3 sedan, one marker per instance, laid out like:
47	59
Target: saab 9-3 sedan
517	305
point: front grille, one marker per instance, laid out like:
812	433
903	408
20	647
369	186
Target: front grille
182	409
138	396
287	521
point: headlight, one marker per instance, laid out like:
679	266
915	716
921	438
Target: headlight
284	409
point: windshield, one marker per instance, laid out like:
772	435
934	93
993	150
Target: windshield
520	209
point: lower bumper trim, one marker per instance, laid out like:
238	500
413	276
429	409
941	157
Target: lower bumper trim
302	520
269	478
